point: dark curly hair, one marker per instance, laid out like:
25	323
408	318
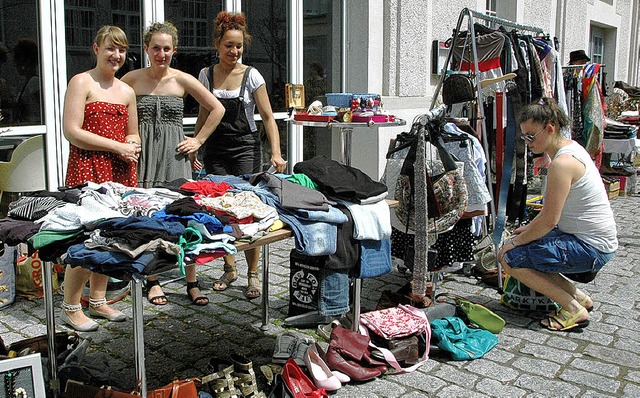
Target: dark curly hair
230	21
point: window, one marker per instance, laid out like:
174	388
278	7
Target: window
597	49
491	8
194	24
20	84
83	18
80	22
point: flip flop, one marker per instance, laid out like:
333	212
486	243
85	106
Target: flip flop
566	320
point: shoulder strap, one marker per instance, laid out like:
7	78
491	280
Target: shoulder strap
244	81
210	77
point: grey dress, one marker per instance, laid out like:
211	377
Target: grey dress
160	121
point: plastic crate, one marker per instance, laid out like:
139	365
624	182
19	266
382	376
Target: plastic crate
339	100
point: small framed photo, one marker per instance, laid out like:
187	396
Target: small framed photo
22	377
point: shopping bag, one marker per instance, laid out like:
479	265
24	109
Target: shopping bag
8	258
518	296
29	276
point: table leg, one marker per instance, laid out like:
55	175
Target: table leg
265	287
54	383
345	145
357	293
138	334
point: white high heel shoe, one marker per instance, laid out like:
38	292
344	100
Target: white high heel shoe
319	371
115	317
88	326
344	379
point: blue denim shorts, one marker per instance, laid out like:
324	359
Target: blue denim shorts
558	252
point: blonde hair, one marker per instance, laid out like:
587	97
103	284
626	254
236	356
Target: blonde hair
113	33
161	27
230	21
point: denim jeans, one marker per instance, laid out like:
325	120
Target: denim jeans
334	292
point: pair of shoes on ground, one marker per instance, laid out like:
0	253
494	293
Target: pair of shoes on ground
230	275
231	378
291	344
89	325
161	299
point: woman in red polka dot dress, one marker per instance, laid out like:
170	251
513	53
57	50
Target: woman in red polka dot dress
101	123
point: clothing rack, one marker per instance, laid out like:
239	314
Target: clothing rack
470	15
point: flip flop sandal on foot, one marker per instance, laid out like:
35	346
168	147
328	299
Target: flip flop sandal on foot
200	300
586	301
225	280
253	286
566	321
156	300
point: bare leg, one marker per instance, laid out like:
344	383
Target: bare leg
253	285
75	278
98	290
193	290
554	286
229	276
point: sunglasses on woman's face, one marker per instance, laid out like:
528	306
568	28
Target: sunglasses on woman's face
532	138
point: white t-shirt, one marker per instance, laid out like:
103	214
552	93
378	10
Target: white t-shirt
254	81
587	212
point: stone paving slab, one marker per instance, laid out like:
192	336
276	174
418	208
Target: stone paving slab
529	361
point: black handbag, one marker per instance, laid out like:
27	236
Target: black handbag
457	88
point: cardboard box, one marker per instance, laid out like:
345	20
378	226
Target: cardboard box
613	188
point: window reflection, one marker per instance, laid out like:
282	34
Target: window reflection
321	60
83	18
194	20
20	84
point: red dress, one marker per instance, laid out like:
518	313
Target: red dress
110	121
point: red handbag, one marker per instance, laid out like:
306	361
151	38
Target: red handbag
176	389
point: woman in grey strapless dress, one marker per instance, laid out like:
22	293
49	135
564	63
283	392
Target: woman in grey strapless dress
166	151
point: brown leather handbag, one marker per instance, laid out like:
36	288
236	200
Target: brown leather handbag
76	389
176	389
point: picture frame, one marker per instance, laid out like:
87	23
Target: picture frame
26	373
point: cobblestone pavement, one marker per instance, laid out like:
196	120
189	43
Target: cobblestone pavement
529	361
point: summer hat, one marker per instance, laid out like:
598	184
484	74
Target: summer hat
578	56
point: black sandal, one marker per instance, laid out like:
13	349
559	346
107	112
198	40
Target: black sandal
200	300
155	300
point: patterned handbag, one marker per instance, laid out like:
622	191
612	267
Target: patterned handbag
446	188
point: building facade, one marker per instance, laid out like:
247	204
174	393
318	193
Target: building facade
375	46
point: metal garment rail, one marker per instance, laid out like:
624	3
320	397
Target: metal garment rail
470	14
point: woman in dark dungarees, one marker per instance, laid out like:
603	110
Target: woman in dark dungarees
234	148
